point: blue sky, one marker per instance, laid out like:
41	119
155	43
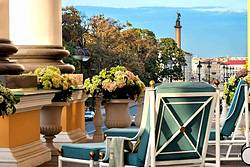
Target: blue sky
211	28
225	5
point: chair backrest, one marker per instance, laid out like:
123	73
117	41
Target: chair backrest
183	120
234	111
144	140
143	133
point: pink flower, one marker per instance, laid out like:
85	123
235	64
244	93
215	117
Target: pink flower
130	75
108	85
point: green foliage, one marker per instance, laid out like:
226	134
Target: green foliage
116	83
7	101
231	85
73	28
170	53
73	24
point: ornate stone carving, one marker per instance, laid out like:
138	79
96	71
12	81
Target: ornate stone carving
50	123
50	130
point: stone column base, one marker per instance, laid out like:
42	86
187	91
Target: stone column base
33	56
7	66
28	155
74	136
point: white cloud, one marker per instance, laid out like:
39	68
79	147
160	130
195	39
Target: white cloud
220	9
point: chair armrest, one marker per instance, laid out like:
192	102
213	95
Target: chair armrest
121	132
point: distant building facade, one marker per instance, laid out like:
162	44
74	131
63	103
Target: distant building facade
220	68
187	69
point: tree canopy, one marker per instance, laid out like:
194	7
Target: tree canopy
171	58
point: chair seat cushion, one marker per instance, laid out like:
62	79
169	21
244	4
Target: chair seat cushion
124	132
81	151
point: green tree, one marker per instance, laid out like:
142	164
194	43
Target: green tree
141	49
103	40
74	26
171	59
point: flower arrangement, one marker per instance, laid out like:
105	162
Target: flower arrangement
230	86
7	101
50	77
116	83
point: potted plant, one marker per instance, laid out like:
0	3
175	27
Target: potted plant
117	86
50	77
7	101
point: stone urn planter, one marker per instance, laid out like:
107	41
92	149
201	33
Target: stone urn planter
50	123
117	115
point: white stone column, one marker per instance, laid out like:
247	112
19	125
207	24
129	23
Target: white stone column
6	47
35	22
35	26
4	19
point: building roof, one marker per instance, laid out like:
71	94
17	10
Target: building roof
235	62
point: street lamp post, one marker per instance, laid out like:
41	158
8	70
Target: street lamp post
224	73
81	53
170	67
209	67
184	72
199	69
